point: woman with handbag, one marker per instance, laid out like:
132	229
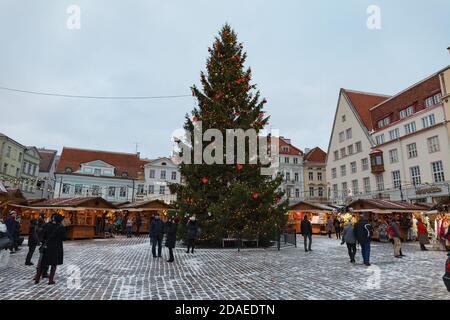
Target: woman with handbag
52	251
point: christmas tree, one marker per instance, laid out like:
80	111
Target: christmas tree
229	200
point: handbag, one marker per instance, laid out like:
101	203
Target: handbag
5	243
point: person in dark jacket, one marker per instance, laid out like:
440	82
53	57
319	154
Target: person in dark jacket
138	224
363	234
52	248
13	231
348	237
33	241
191	231
156	234
329	227
171	236
337	227
394	232
306	229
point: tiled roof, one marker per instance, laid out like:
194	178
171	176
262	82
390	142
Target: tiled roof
363	102
316	155
293	150
123	162
47	158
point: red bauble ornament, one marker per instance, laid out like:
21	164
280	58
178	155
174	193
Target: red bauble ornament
246	88
277	199
264	101
260	115
259	124
195	119
204	180
239	166
209	49
255	195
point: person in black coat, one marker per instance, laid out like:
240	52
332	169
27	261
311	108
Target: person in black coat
363	233
171	236
33	241
306	229
192	231
337	227
156	234
138	224
52	248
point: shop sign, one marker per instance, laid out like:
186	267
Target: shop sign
428	190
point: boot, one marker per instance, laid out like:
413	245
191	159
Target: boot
37	278
52	275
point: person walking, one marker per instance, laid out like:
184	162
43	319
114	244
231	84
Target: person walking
306	229
337	228
422	234
12	230
156	234
138	224
394	233
129	226
329	227
33	241
348	237
192	230
171	237
52	251
363	234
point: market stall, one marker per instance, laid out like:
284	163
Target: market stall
84	217
377	210
316	212
9	198
439	217
145	210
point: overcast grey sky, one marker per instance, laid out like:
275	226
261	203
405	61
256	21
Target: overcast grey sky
301	53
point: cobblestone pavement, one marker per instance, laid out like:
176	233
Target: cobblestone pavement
123	268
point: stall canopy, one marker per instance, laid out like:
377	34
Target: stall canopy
384	206
310	207
81	202
146	206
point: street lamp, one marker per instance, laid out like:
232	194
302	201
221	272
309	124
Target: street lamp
448	49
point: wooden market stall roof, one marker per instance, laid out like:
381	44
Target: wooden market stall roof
80	202
310	206
12	196
146	205
380	205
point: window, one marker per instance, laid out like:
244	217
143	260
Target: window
34	169
8	152
353	167
350	149
297	193
163	174
29	168
311	175
355	186
411	150
410	128
319	176
380	139
341	136
438	171
365	164
66	188
384	122
335	191
95	190
20	156
380	182
437	98
286	159
343	170
348	133
393	156
151	189
17	172
415	175
111	191
295	160
358	146
342	152
320	192
5	168
333	173
396	181
296	176
366	182
152	174
78	189
24	167
428	121
123	192
140	189
433	144
344	189
174	175
311	191
336	155
406	112
162	190
429	102
343	118
288	176
394	134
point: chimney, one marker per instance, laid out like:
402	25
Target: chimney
138	154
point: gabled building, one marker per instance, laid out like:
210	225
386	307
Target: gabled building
30	173
47	168
11	159
110	175
315	183
395	148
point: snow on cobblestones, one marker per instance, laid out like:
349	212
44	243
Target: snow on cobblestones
123	268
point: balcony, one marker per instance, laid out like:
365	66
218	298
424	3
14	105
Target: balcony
376	161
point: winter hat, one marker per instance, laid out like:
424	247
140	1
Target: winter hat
58	218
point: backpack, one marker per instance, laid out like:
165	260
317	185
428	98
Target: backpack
390	232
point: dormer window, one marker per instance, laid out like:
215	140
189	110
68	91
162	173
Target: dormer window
124	174
285	148
164	164
97	172
68	170
384	122
406	112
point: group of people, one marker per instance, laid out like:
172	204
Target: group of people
13	222
123	224
337	224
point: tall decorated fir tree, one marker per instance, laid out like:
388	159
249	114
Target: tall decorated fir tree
228	199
